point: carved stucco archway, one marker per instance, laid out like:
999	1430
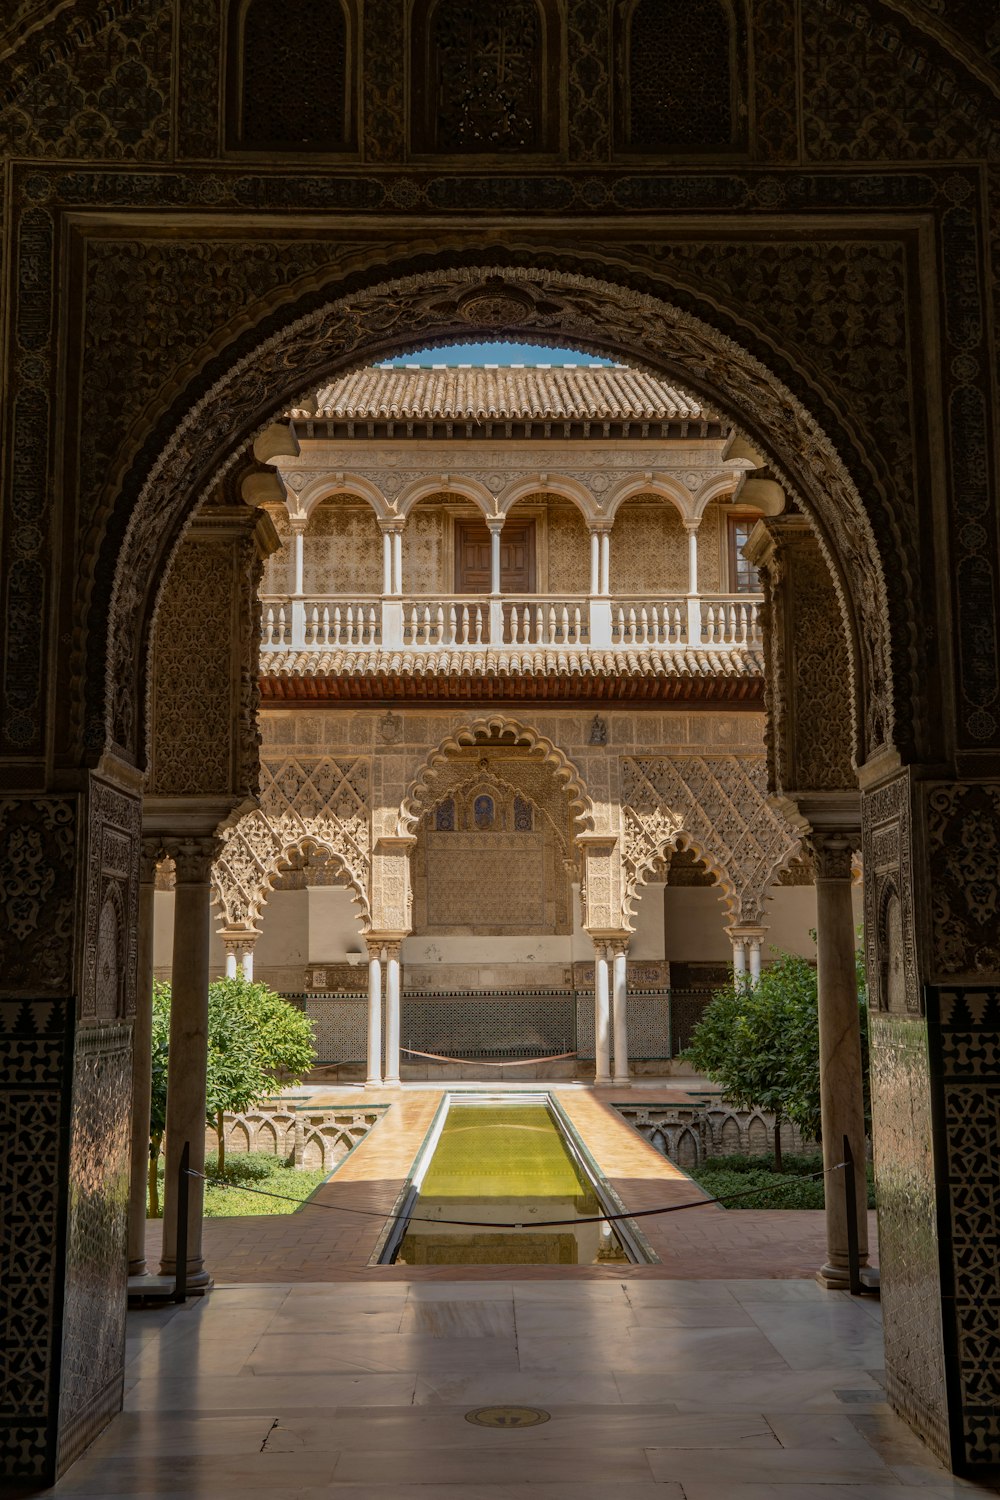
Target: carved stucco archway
494	730
467	302
715	805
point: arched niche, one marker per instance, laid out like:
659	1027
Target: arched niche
291	83
484	76
684	65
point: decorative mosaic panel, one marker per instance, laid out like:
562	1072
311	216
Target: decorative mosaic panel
34	1093
963	1026
489	1025
37	888
648	1026
97	1237
341	1028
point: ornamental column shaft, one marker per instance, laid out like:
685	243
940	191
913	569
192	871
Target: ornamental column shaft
602	1042
188	1059
374	1078
391	1013
605	562
397	561
142	1080
619	1011
840	1077
386	562
595	562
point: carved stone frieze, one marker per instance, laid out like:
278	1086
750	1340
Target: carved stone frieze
890	928
808	684
716	805
111	932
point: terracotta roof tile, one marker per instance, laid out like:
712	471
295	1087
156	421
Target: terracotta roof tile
734	662
478	393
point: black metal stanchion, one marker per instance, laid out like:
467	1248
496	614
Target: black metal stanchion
853	1254
183	1187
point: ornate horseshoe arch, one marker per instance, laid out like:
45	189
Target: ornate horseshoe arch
477	301
420	793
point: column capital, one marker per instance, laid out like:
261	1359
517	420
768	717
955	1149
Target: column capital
495	523
193	858
619	945
391	524
374	946
150	854
833	855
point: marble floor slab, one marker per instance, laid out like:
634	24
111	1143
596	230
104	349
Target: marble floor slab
651	1390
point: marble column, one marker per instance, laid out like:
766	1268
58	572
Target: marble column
142	1081
386	561
495	528
397	560
374	1078
840	1076
391	1014
739	954
753	948
619	1010
595	562
605	562
188	1063
602	1047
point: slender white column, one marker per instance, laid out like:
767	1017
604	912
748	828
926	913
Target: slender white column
392	1013
840	1078
247	964
694	628
142	1082
595	562
753	944
387	562
495	531
602	1059
231	963
739	955
374	1078
298	560
397	562
691	527
605	562
619	1012
188	1064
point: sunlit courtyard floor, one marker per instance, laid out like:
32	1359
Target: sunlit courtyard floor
654	1390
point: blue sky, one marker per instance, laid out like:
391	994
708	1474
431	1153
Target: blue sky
495	354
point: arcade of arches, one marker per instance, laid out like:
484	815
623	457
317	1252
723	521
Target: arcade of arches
801	244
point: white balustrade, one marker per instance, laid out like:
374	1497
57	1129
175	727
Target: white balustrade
649	622
541	620
275	624
731	621
473	622
462	622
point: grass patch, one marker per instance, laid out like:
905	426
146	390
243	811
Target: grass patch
764	1187
265	1174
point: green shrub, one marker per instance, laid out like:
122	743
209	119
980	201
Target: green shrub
764	1187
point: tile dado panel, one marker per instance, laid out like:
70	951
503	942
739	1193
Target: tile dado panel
963	1026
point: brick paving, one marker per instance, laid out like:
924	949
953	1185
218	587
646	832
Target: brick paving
334	1242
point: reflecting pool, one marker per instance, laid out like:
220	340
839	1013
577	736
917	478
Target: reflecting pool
512	1163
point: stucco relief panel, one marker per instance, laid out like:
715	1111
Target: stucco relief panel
110	954
342	549
963	846
37	895
191	742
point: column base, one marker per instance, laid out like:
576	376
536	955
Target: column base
139	1268
622	1083
197	1281
837	1278
602	1082
373	1083
390	1083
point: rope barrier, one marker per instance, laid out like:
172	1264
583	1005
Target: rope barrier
481	1062
390	1216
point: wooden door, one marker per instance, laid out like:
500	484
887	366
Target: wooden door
517	557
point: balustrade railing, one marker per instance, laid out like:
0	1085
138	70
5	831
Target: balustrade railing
731	620
463	622
478	621
649	622
546	620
